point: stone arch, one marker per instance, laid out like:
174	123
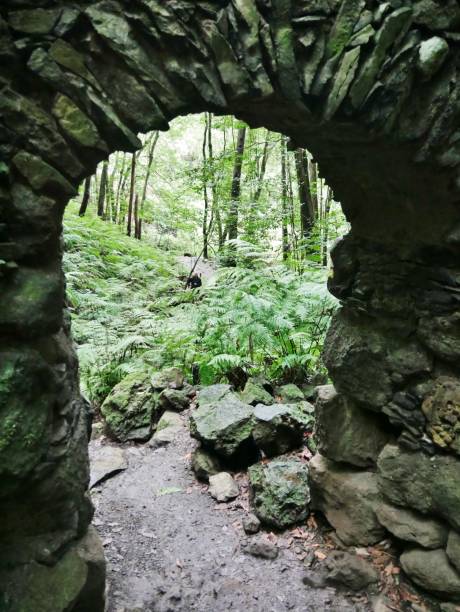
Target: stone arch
372	89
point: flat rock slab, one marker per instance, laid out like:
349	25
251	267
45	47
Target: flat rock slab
105	462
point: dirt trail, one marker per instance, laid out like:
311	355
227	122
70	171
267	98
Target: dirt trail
171	547
204	267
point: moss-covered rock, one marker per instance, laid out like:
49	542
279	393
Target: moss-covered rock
41	176
26	388
430	485
289	394
280	492
255	393
174	399
76	582
37	21
442	411
76	124
225	427
281	427
345	432
130	409
213	393
205	464
170	378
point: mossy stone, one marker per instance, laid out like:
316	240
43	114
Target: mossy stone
280	492
76	124
24	415
129	409
41	176
34	21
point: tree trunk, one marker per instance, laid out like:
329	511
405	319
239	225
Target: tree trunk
137	233
263	168
120	181
313	176
102	190
232	222
153	144
284	197
205	188
327	208
307	217
215	201
131	194
86	196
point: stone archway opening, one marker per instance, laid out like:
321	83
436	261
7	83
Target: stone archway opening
371	88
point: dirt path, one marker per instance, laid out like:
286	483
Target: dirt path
204	267
171	547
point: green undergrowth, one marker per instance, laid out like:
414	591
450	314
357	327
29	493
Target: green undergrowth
131	312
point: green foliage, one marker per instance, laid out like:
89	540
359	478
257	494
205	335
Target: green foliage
131	312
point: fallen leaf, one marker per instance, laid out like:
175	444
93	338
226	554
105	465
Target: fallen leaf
320	555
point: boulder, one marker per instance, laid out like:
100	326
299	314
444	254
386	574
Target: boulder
225	427
346	433
411	526
255	393
281	427
222	487
213	394
105	461
431	570
453	549
348	499
280	492
174	399
170	378
167	430
129	409
205	464
428	484
76	582
289	394
349	570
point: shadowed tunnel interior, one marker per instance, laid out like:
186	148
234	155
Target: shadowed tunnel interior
372	89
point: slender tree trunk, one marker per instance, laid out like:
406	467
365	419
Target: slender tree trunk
131	194
215	201
120	181
306	207
205	188
86	196
232	222
327	208
313	175
263	168
102	190
153	144
284	197
136	218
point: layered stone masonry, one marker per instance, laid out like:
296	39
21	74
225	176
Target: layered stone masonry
371	88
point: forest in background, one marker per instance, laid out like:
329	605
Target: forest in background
213	188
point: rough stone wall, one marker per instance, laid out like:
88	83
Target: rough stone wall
371	88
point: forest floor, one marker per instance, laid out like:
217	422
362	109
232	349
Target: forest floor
171	547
